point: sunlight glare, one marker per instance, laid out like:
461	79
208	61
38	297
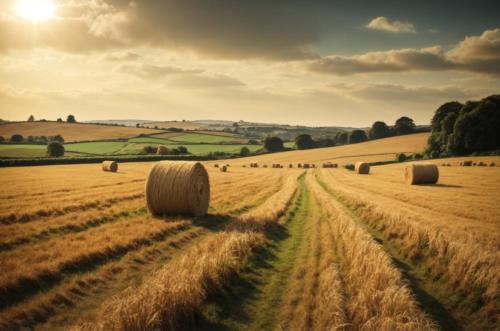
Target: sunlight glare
36	10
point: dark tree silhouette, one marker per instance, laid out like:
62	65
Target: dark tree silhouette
404	125
379	130
71	119
55	149
304	141
273	144
357	136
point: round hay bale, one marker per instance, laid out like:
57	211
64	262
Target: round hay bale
223	168
492	164
299	165
162	150
335	165
481	164
290	165
362	168
264	166
474	164
466	163
216	165
426	173
111	166
178	188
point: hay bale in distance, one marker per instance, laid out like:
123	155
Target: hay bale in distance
492	164
362	168
223	168
216	165
178	188
111	166
425	173
299	165
466	163
290	165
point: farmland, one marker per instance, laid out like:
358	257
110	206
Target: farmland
97	140
287	249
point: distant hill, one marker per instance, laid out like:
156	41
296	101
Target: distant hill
131	122
185	125
71	131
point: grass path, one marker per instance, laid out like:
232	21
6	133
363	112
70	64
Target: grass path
252	299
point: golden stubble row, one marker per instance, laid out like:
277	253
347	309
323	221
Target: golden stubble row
376	296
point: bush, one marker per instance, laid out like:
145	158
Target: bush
57	138
149	150
71	119
304	141
59	120
418	156
273	144
401	157
349	167
379	130
244	151
434	155
2	139
16	138
182	150
55	149
357	136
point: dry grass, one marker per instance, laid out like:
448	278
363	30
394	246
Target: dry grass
73	238
72	131
371	151
377	298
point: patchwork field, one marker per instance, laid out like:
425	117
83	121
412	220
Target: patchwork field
71	131
290	249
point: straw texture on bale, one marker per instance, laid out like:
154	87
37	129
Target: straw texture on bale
178	188
223	168
362	168
110	166
426	173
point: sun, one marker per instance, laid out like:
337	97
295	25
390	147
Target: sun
36	10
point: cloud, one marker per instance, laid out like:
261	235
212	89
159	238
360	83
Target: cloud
479	54
401	93
382	23
122	57
227	29
195	81
149	71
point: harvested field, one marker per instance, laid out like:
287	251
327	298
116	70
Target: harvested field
292	249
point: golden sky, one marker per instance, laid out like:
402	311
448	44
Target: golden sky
299	62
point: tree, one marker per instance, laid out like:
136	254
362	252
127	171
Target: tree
477	127
182	150
401	157
58	138
304	141
2	139
16	138
59	120
55	149
244	151
138	125
404	125
342	138
71	119
379	130
357	136
31	118
30	139
273	144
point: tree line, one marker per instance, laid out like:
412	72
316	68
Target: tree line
403	125
460	129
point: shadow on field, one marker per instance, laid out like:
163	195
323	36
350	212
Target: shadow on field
443	185
427	302
232	301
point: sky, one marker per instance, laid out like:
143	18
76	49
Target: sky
306	62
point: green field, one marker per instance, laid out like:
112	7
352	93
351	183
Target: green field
205	138
134	147
97	147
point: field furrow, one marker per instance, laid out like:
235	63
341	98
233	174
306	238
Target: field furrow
449	268
376	295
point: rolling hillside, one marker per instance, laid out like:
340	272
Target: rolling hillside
71	131
371	151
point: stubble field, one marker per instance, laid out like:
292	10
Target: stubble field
291	249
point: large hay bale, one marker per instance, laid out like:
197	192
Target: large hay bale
362	168
223	168
162	150
467	163
178	188
425	173
110	166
